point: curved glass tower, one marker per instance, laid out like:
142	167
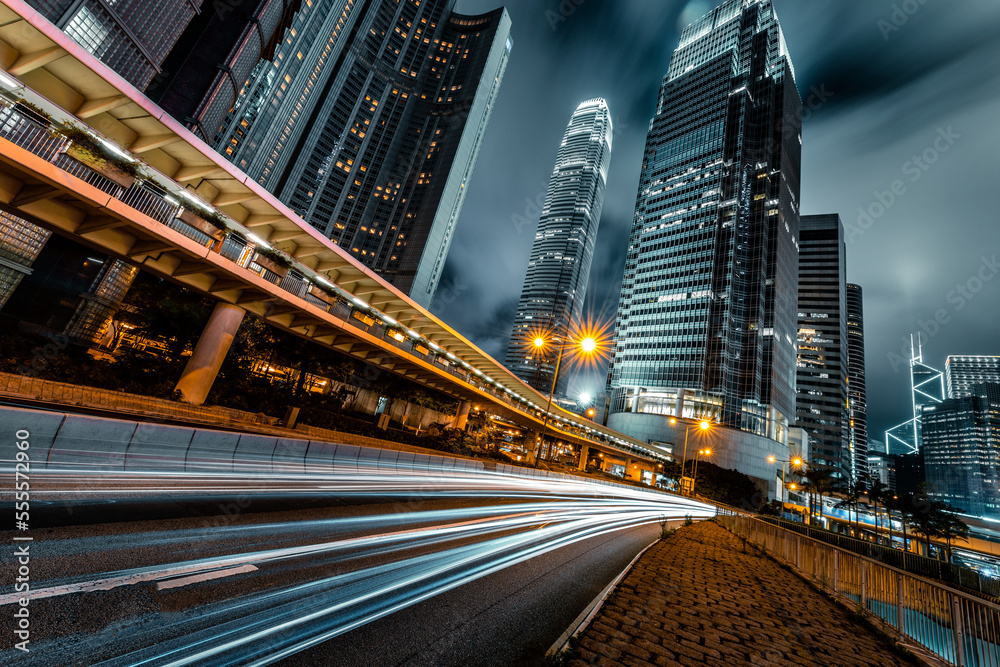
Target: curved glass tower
556	281
706	318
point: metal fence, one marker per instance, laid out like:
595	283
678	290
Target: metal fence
949	573
958	628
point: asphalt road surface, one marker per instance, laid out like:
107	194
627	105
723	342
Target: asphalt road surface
369	568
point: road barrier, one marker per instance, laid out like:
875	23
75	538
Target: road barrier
956	627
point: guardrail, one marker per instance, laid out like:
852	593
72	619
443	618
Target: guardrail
62	441
949	573
958	628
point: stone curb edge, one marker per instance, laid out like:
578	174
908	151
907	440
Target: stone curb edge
587	615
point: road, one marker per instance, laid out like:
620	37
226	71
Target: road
370	567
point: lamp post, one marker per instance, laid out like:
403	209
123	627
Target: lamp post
587	346
704	425
797	462
694	477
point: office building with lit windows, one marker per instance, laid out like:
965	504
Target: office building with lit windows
555	284
368	123
961	450
963	372
857	394
706	322
823	344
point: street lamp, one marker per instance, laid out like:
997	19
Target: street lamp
588	346
694	477
797	462
704	425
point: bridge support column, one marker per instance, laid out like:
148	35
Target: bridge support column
462	418
209	353
584	453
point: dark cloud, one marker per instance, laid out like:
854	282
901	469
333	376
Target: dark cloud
888	93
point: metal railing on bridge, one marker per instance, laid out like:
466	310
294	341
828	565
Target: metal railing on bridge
956	627
949	573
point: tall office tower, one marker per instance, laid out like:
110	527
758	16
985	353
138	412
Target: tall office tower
856	390
556	282
368	123
962	372
706	319
214	56
132	37
961	450
823	344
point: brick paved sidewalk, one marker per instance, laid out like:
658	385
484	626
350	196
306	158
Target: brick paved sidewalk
697	599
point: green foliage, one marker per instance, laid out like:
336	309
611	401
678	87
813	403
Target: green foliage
97	151
35	109
276	256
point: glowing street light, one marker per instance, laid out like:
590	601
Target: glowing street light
687	483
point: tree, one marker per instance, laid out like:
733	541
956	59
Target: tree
821	482
852	496
949	527
877	494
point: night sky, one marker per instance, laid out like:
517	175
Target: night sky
884	86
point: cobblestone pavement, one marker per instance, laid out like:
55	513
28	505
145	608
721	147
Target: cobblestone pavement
697	599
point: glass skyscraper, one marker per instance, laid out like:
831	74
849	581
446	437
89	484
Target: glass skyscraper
556	282
963	372
961	450
823	345
707	315
856	387
368	123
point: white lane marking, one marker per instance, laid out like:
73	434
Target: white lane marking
206	576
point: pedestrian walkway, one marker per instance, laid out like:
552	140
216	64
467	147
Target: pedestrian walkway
699	598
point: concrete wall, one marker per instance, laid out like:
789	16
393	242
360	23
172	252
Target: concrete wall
60	441
732	449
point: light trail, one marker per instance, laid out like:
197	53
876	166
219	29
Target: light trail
302	582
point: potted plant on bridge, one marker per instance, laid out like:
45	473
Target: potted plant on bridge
87	149
273	260
212	224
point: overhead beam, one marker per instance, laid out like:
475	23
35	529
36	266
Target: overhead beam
92	108
32	61
146	144
29	194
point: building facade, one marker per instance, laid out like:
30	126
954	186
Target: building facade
368	123
555	284
963	372
857	394
214	57
961	451
132	37
823	345
707	316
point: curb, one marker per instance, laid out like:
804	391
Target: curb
587	615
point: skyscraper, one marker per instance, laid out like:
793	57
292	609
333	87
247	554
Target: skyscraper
556	282
823	344
961	450
368	123
706	320
963	372
856	389
203	74
132	37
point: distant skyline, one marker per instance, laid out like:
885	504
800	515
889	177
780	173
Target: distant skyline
899	138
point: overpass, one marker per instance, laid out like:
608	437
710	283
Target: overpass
167	202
